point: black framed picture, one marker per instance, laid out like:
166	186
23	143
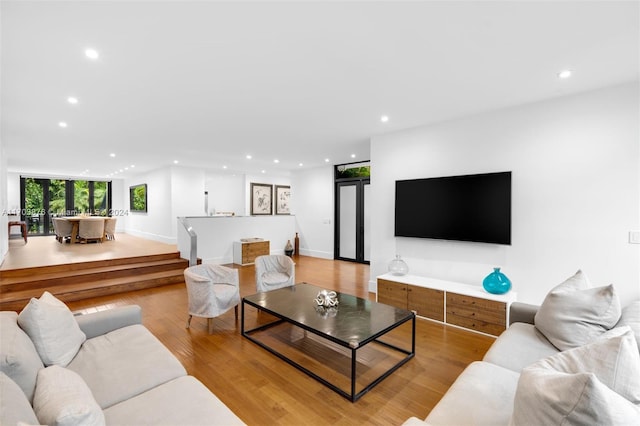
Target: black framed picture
283	196
261	199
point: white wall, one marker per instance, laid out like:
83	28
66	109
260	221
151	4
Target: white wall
187	192
119	209
575	195
156	223
226	193
4	203
171	192
312	203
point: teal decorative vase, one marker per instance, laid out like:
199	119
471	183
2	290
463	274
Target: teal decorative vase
496	282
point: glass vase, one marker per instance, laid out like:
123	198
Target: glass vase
496	282
398	266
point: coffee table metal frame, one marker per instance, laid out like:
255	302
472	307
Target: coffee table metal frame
352	346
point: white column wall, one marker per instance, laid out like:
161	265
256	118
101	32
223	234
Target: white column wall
4	203
575	195
312	202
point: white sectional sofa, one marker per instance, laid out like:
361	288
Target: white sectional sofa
121	375
525	379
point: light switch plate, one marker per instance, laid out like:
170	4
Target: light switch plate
634	237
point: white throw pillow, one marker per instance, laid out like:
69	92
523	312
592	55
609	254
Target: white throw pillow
598	383
52	329
62	398
575	313
631	317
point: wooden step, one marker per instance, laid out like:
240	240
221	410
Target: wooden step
26	272
37	281
16	300
90	279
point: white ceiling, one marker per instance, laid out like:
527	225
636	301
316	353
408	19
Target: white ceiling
207	83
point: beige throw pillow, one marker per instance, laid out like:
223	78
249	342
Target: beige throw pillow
63	399
52	329
575	313
598	383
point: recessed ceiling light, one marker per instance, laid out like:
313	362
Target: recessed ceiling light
126	168
276	161
175	161
384	118
224	167
564	74
72	100
132	166
300	164
62	124
326	160
249	157
91	54
353	156
112	155
121	170
263	171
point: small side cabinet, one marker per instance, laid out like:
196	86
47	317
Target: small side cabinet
245	253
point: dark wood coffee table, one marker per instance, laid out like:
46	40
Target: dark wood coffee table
343	332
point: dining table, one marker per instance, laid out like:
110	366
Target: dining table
75	222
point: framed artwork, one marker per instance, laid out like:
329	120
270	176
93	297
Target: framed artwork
138	198
261	195
283	195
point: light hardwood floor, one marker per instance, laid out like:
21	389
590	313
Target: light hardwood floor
46	251
263	390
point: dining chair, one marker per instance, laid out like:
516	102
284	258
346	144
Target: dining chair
274	271
62	229
91	230
110	228
212	290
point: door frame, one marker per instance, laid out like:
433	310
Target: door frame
359	183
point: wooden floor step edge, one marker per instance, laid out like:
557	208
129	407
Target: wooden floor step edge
179	263
70	288
19	304
6	273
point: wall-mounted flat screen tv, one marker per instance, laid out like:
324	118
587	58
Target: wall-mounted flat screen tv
464	208
138	198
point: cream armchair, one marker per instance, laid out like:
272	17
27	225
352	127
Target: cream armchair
274	271
212	290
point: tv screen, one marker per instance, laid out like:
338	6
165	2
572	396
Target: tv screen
464	208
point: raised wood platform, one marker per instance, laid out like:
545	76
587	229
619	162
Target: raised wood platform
75	272
79	281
